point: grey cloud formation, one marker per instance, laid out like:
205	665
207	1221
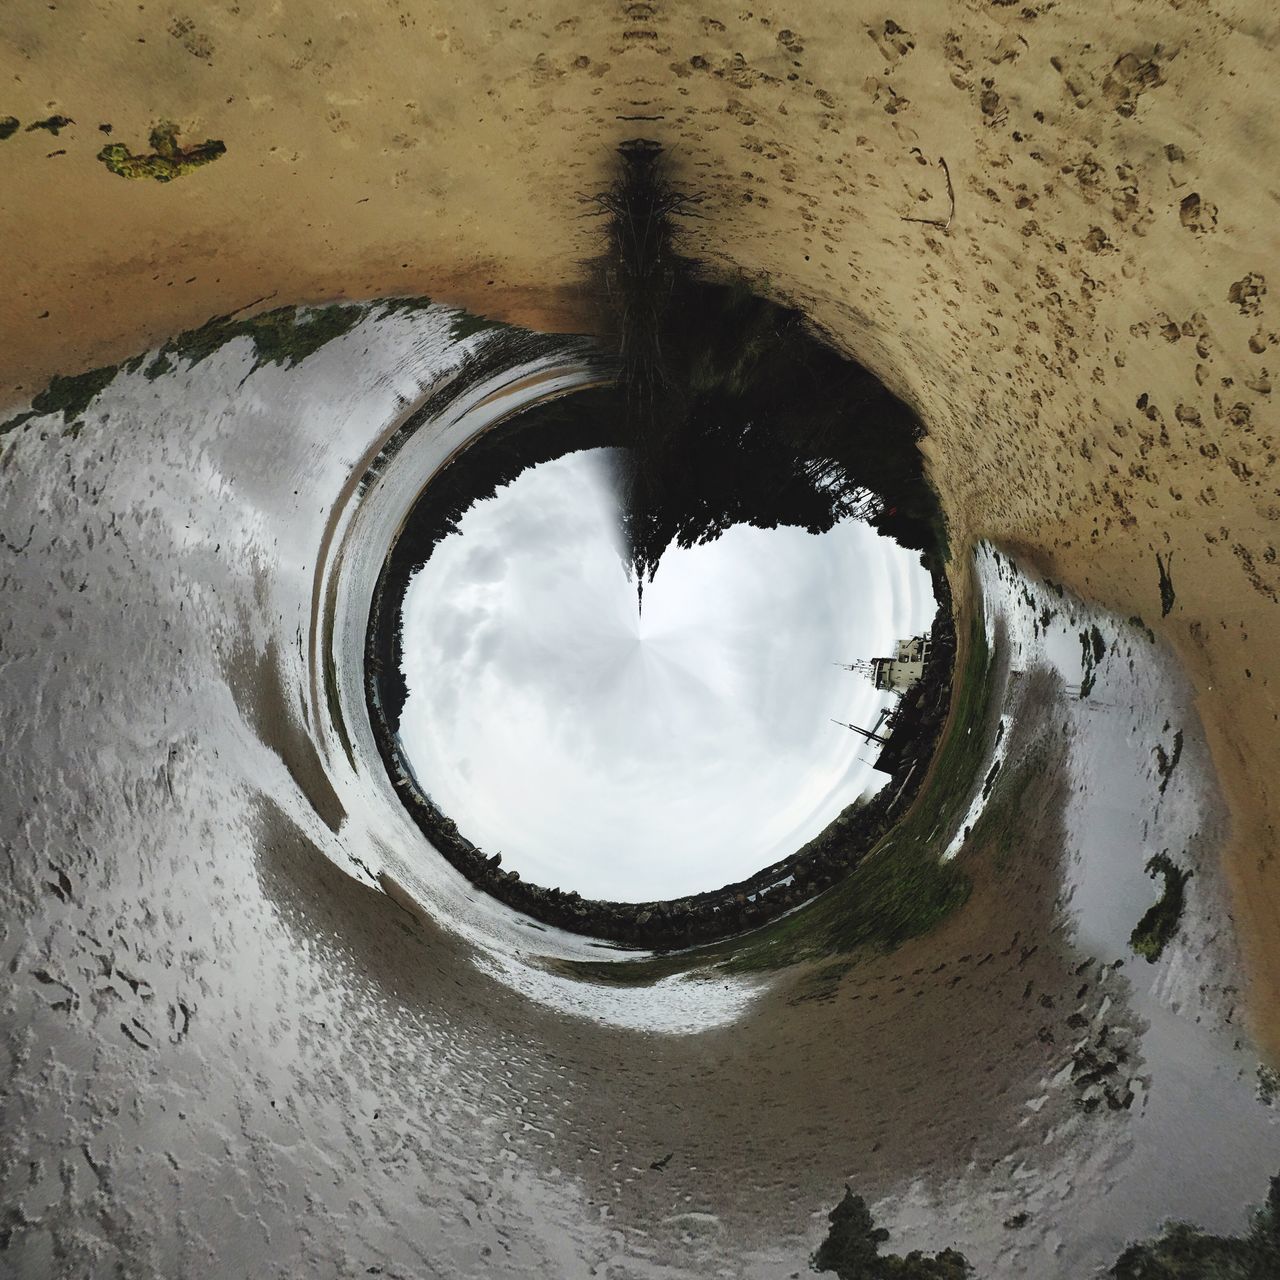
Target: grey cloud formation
635	757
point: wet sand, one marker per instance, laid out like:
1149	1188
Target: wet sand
1090	341
224	1049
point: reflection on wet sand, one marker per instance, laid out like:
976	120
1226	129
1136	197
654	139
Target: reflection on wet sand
226	1043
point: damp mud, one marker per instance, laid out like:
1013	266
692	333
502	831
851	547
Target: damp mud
251	1014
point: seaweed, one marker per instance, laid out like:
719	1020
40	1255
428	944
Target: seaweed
1099	644
1166	583
284	336
1182	1251
1136	621
158	367
53	125
1158	925
69	395
8	126
1166	763
166	160
465	325
1093	648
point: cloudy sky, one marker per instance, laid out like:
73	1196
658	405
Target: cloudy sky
639	757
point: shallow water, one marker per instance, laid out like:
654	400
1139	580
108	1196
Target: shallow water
228	1050
1197	1143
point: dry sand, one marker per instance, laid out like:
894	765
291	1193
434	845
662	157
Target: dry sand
1090	342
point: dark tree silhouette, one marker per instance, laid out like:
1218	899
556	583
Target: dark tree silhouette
736	412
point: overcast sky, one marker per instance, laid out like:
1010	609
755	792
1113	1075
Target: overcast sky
639	757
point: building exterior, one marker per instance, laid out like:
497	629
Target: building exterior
900	672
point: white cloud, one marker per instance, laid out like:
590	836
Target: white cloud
637	757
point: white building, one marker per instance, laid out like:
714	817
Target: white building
899	673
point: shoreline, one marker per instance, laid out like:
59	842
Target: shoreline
1089	340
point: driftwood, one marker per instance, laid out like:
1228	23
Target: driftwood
951	196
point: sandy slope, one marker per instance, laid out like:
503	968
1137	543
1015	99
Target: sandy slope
1090	341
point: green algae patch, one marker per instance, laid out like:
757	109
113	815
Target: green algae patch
166	160
1157	927
69	396
285	336
464	325
8	126
158	367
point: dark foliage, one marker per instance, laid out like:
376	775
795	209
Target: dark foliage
1160	922
1185	1253
548	431
736	411
852	1250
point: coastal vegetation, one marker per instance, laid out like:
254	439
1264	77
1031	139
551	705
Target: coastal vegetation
737	410
1159	924
166	160
282	336
851	1250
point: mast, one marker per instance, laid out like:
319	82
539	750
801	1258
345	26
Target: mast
869	734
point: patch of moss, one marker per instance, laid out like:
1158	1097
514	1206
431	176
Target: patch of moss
158	367
284	336
8	126
464	325
69	396
166	160
852	1250
1157	927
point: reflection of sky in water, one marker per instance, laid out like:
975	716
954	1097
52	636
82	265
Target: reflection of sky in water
637	756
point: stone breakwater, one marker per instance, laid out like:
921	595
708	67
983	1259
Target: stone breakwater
735	908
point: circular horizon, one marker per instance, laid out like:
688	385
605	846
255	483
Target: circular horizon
642	755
